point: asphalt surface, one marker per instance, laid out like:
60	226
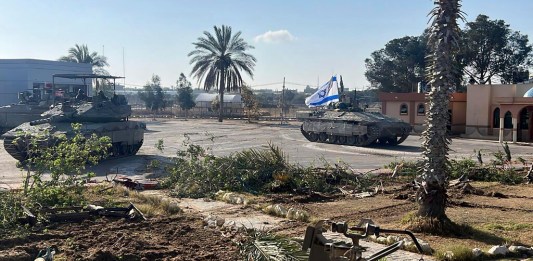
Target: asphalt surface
233	136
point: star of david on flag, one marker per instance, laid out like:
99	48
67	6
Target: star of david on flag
328	93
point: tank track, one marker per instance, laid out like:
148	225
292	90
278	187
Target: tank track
357	140
371	137
13	149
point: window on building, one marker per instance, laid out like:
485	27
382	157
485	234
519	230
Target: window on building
421	109
403	109
508	120
496	118
524	119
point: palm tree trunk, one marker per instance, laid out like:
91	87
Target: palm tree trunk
431	196
221	96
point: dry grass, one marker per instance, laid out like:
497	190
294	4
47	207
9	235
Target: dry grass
150	205
459	253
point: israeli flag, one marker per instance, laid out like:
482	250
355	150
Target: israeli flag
325	95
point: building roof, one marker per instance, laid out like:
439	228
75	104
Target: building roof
208	97
85	76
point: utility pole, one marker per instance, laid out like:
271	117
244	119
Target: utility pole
283	102
124	67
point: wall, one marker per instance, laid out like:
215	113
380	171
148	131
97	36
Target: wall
478	111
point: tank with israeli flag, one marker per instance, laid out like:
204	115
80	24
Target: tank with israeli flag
344	123
328	93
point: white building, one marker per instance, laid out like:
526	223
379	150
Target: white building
233	106
18	75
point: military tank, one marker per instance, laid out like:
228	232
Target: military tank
98	114
346	124
352	127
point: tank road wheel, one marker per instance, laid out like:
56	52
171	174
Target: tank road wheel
313	137
351	140
362	140
129	150
332	139
342	140
307	135
322	137
115	150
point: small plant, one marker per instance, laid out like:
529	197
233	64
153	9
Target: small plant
498	158
408	168
456	253
461	167
10	209
159	145
266	246
507	151
154	164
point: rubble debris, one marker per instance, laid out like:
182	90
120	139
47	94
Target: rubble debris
291	213
46	255
476	252
79	214
137	184
518	249
213	221
498	250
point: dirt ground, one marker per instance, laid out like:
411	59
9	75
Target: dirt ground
505	219
176	238
494	220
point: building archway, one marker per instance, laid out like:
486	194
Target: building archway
496	118
525	124
508	120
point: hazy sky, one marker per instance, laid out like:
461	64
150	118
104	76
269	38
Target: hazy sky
304	41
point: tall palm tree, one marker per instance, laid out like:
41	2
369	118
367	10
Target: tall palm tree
81	54
219	59
443	44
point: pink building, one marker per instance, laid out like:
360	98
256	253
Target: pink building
411	108
497	112
500	112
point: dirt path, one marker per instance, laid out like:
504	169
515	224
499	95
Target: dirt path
176	238
251	218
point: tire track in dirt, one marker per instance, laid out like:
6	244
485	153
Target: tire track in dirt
373	211
465	204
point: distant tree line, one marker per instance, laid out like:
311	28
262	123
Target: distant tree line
489	51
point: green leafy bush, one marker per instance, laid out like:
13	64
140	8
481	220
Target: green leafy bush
64	161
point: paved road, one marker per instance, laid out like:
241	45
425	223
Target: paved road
232	136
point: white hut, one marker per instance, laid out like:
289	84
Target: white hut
233	106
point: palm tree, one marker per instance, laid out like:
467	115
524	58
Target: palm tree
81	54
218	61
443	44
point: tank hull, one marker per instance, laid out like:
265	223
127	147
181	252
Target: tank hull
352	128
126	136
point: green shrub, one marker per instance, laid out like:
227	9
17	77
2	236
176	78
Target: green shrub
10	209
460	167
407	168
